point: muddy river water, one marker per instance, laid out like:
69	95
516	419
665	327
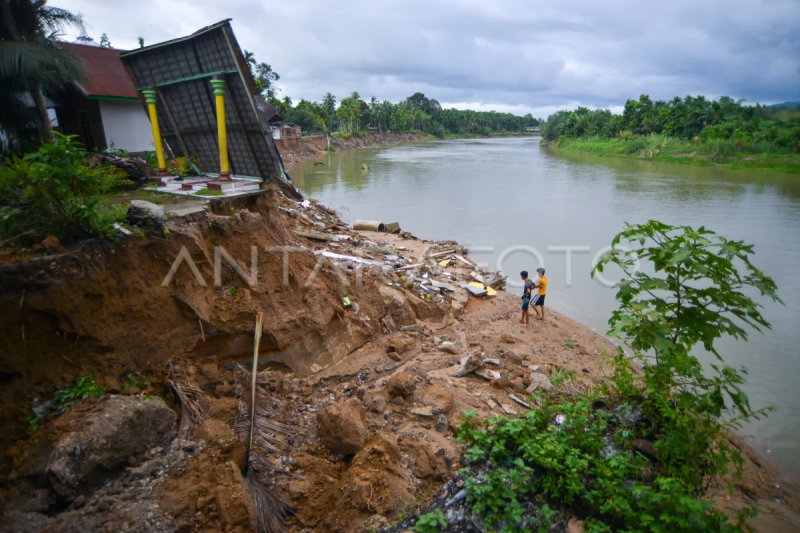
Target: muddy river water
518	207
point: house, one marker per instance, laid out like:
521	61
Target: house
104	111
285	131
534	129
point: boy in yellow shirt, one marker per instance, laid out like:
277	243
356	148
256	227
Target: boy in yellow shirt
538	300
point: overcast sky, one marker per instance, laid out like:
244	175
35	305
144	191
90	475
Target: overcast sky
517	56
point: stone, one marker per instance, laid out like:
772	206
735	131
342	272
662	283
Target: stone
509	338
219	435
513	358
400	344
145	214
517	385
342	427
439	398
108	434
402	384
449	348
539	382
52	245
501	383
376	404
441	424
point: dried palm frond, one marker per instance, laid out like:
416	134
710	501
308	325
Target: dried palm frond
255	425
190	396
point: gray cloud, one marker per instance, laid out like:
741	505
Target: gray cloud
516	55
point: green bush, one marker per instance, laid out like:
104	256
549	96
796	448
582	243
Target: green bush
54	192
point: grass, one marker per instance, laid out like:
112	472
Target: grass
561	375
570	342
722	154
209	192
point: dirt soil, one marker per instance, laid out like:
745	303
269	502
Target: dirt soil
294	150
389	355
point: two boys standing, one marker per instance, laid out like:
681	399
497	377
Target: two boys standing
529	298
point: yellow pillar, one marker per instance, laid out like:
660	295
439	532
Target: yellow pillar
219	92
150	98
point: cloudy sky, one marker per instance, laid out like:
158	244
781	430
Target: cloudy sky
517	56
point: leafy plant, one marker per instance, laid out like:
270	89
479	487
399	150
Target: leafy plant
570	342
53	191
84	387
431	522
695	296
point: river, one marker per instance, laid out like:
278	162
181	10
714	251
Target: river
509	200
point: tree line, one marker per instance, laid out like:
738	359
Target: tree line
696	119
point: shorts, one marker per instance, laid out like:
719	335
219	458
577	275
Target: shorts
525	302
538	300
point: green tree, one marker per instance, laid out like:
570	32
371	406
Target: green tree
696	295
104	41
141	42
30	61
264	76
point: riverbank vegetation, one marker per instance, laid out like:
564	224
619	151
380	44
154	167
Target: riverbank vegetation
693	130
416	113
640	452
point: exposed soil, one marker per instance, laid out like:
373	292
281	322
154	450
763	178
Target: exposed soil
293	150
389	356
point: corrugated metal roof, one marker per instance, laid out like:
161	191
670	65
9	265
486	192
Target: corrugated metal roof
107	75
180	71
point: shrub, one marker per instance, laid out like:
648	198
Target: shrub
53	191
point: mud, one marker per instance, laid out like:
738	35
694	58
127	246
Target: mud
100	309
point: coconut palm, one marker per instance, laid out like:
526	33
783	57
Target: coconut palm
30	61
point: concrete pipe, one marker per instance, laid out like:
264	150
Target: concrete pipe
369	225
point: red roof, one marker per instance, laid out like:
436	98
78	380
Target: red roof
107	76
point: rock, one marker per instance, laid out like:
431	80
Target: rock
342	427
425	463
108	434
539	382
441	424
400	344
437	341
517	385
376	404
509	338
218	434
402	384
449	348
425	412
439	398
513	358
52	245
145	214
394	356
501	383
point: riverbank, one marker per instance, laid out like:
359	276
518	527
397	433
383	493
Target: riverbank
670	150
294	150
358	370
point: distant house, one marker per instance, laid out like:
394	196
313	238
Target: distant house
534	129
285	131
104	111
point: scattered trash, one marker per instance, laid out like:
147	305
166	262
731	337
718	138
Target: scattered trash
347	303
560	419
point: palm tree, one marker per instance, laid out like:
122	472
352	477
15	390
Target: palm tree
29	57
